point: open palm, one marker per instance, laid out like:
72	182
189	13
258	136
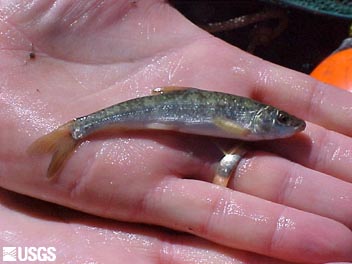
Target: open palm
294	205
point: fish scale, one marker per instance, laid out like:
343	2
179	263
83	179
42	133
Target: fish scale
180	110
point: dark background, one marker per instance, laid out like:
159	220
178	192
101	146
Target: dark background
308	38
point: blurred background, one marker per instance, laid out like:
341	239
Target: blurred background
308	35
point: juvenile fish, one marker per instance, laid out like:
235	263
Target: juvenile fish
186	110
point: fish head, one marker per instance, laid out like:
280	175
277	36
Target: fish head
272	123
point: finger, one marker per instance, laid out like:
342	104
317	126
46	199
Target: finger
27	220
319	103
96	181
320	149
281	181
289	90
241	221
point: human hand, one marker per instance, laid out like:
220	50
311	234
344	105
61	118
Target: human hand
91	55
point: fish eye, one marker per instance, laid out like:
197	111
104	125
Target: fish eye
283	118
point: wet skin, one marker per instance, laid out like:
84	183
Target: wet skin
292	203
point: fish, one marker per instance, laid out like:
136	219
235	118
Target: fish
182	109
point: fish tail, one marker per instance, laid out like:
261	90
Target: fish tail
59	142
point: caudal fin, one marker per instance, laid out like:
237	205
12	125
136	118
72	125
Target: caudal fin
59	142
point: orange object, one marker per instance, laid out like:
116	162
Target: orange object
336	70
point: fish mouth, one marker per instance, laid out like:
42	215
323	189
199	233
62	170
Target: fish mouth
301	126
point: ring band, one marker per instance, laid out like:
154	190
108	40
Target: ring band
227	166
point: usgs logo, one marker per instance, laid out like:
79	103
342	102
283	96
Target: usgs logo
28	253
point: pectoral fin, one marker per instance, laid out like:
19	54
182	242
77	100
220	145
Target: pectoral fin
231	127
160	126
